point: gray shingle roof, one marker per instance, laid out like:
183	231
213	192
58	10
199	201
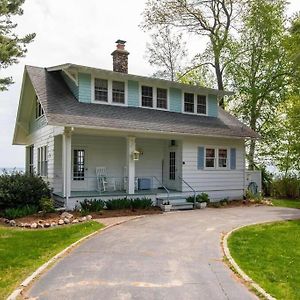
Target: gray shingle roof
62	108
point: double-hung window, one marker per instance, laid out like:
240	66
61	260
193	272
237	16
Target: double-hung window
147	96
189	102
118	92
78	164
161	98
101	90
195	104
30	163
222	155
210	157
43	161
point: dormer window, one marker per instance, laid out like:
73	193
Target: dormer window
101	90
194	103
147	96
118	92
38	109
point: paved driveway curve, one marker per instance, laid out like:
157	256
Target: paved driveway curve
171	256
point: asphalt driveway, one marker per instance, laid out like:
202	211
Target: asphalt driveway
170	256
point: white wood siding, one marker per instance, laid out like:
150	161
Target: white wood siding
218	184
39	138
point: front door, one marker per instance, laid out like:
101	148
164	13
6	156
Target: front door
79	169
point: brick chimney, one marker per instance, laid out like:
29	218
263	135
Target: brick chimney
120	57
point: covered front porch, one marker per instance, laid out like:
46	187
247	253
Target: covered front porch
90	164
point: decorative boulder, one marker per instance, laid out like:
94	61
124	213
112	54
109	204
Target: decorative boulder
33	226
66	221
53	224
89	217
75	221
46	225
82	219
61	222
27	225
66	215
12	223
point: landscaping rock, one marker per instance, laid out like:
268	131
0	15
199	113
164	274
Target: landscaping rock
12	223
82	219
61	222
6	221
46	225
53	224
27	225
39	225
75	221
89	217
40	221
66	215
66	221
33	226
22	225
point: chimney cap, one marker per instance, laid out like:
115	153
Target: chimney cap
122	42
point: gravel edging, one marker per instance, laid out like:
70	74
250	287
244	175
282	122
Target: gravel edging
237	268
18	291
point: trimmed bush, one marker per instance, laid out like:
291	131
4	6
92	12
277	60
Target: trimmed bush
19	189
203	197
47	205
92	205
141	203
286	187
127	203
19	212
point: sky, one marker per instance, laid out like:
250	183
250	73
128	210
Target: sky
80	32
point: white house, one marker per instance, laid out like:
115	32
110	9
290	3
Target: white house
97	133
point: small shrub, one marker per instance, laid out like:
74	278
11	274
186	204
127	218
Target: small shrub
286	187
141	203
203	197
47	205
121	203
92	205
19	212
19	189
224	202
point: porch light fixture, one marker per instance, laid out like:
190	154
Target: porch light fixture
136	155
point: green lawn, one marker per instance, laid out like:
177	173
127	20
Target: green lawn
22	251
286	203
270	255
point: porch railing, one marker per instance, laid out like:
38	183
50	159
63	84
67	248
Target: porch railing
163	186
193	190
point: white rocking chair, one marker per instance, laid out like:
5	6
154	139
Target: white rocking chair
102	179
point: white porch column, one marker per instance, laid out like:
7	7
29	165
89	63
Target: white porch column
130	142
66	162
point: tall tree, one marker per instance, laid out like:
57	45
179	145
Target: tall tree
259	70
12	47
203	18
166	51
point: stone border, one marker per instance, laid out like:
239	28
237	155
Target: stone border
18	291
237	268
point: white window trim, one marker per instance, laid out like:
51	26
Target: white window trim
109	90
195	103
40	160
154	89
216	167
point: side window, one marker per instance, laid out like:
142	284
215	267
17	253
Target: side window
38	109
101	90
147	96
162	98
43	161
118	92
188	102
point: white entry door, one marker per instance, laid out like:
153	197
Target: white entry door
79	169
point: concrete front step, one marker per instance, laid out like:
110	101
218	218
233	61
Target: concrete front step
183	205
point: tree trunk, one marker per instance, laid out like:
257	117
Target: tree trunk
219	80
251	154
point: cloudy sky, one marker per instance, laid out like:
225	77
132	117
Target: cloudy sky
81	32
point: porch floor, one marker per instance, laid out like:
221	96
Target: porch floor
76	194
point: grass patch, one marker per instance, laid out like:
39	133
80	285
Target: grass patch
295	203
270	255
22	251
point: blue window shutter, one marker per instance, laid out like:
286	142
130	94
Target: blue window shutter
232	158
200	158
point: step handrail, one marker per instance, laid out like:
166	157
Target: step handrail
194	191
168	192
